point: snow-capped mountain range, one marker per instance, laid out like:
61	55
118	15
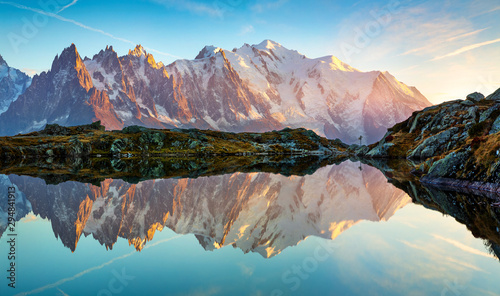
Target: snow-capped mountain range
13	83
256	212
253	88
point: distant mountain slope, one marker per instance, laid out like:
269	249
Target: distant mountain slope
254	88
12	84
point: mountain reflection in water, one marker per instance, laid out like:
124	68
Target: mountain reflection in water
256	212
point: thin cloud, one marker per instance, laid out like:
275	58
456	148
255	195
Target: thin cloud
463	247
62	292
450	259
466	49
65	280
431	46
466	34
414	246
465	264
67	6
415	50
56	16
494	9
62	281
247	30
487	11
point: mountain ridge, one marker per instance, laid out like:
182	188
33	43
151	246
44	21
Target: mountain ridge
254	88
13	83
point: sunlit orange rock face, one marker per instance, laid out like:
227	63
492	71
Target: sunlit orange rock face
256	212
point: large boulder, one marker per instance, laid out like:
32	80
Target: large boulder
475	97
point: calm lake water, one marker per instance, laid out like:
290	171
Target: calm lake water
343	230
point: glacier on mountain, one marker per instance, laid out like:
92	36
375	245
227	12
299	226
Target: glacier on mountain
253	88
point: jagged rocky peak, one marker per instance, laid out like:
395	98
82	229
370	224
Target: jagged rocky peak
108	51
108	58
69	58
139	52
2	61
208	52
69	67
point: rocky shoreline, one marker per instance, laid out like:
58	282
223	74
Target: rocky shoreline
455	144
455	183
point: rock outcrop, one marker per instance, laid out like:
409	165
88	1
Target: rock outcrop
455	143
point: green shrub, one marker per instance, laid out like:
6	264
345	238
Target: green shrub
478	129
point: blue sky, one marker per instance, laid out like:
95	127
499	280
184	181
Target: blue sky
446	49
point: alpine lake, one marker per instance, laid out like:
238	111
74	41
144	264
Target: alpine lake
262	226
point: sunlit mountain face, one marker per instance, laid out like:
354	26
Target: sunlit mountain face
256	88
255	212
